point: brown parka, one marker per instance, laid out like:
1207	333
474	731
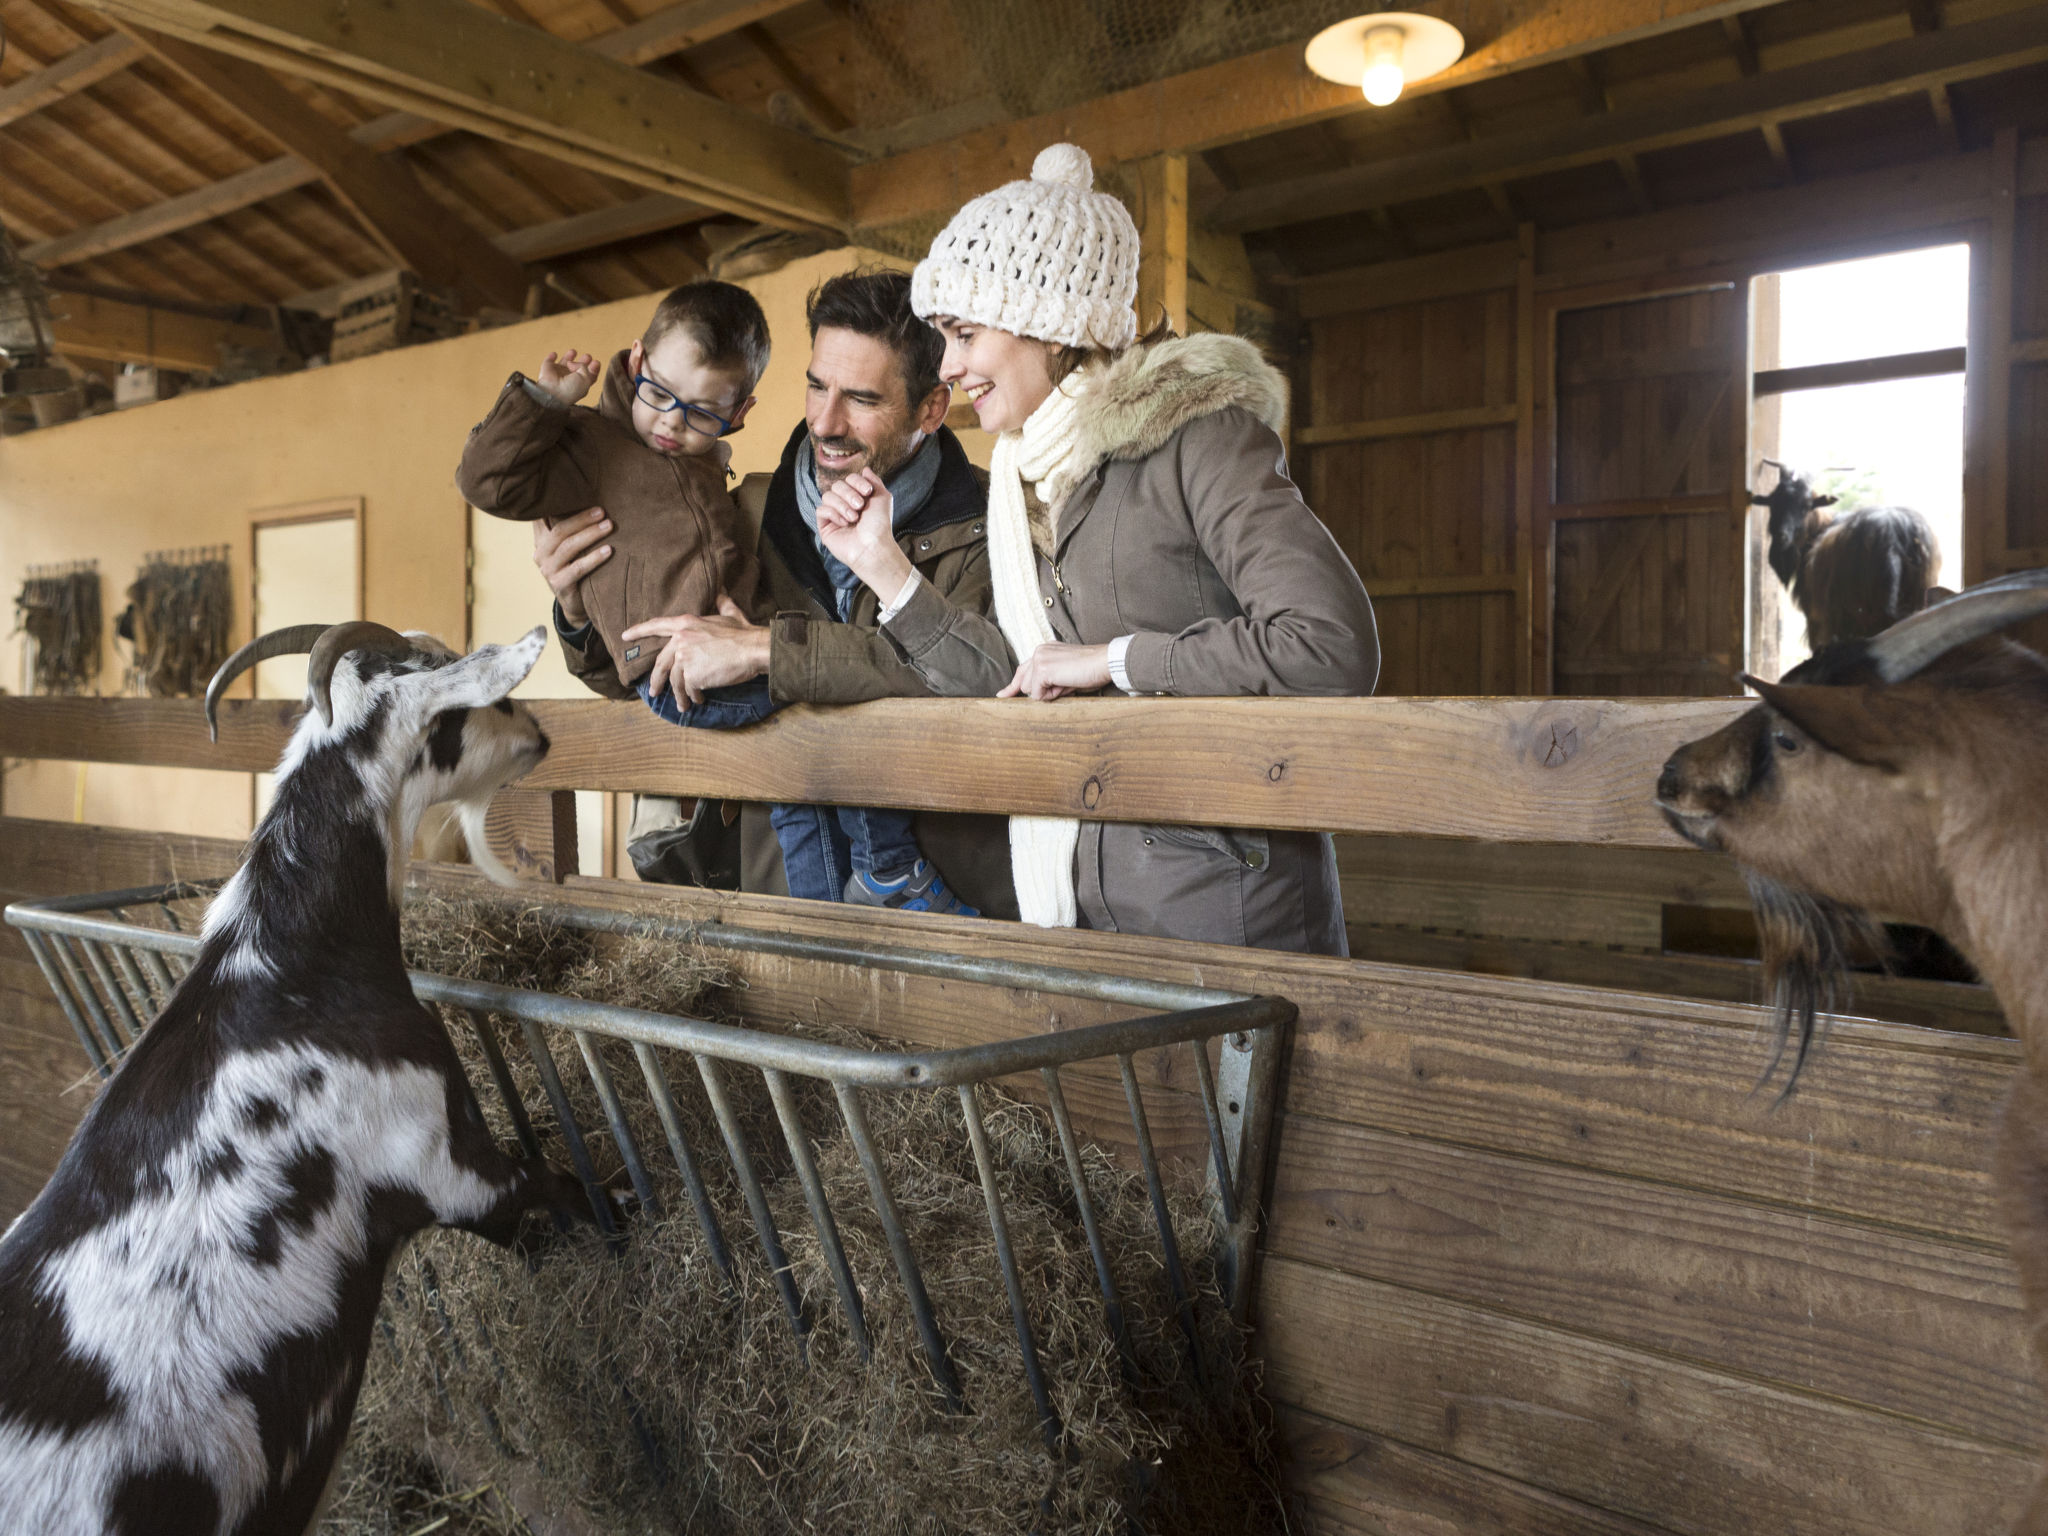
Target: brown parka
1189	536
815	659
677	539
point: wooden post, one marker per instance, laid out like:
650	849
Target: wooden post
1163	241
1988	383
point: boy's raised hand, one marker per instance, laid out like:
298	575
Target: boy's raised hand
568	375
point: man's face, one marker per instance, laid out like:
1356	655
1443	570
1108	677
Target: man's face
857	407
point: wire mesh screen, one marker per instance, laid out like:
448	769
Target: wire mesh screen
113	959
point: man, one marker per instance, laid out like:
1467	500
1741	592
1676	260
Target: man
873	401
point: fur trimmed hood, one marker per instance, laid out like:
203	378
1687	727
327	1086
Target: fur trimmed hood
1135	403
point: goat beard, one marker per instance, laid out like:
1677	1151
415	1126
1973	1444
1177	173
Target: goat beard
469	815
1806	943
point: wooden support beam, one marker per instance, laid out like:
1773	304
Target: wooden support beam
1163	242
2031	349
459	65
385	197
75	71
1522	770
1244	98
1865	370
647	215
108	330
678	28
1909	66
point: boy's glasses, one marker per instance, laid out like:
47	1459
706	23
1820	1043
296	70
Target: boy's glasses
662	401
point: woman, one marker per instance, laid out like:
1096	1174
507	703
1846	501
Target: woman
1143	533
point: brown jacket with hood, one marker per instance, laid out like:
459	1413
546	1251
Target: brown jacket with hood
1188	535
677	539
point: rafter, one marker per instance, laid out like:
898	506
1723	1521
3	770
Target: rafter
75	71
822	108
1907	67
654	38
109	330
383	195
468	68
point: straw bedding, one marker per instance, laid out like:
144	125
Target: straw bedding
577	1386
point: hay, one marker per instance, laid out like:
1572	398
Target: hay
547	1380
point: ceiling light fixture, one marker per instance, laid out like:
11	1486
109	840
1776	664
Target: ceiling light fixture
1382	53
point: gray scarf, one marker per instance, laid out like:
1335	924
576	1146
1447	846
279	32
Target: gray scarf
911	486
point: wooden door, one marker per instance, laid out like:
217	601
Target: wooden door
305	567
1641	502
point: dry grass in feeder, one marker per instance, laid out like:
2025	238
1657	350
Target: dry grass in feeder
589	1389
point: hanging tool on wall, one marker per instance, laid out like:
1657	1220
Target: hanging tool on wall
59	610
179	617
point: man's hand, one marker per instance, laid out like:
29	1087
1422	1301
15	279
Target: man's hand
856	522
565	554
1054	669
704	653
569	375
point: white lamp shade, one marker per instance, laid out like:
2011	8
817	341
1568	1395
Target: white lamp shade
1428	47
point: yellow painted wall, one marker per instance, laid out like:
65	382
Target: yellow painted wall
387	428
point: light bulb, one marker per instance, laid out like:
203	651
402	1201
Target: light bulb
1383	73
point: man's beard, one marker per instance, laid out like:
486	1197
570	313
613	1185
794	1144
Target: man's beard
883	459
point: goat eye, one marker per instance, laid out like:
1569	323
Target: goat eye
1786	743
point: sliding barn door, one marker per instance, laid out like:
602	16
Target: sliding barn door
1641	514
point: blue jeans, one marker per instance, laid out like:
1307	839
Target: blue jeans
822	845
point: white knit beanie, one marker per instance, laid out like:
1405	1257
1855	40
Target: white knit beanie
1050	258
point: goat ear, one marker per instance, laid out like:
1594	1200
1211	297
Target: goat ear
1851	721
484	676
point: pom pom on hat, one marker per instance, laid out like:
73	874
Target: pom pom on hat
1050	258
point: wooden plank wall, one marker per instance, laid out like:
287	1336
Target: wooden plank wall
1538	1260
1536	450
1408	452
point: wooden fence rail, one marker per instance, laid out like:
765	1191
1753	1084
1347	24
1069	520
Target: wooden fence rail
1502	770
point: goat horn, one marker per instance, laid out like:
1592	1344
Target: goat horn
294	640
337	642
1915	641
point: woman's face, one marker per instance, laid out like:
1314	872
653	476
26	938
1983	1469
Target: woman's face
1004	376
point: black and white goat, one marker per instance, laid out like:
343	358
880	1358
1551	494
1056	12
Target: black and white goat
186	1308
1851	575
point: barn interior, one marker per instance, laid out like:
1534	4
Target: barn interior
1536	1257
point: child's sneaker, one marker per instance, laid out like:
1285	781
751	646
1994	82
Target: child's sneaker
919	891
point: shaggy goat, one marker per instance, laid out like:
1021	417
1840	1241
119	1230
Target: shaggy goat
186	1308
1906	774
1851	575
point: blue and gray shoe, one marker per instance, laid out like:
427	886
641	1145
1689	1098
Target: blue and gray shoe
921	890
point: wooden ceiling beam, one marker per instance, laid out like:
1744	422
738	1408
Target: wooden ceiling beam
654	37
76	70
383	195
1910	66
1246	97
449	60
822	108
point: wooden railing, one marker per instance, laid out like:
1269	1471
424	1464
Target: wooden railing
1503	770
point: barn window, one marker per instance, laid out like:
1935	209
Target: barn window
1859	383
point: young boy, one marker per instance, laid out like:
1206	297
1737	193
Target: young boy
651	455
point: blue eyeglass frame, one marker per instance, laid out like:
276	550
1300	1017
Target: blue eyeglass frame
642	384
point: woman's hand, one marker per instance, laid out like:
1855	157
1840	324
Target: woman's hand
702	653
565	554
1054	669
856	522
569	375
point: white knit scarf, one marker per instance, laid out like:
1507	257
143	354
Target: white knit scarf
1042	452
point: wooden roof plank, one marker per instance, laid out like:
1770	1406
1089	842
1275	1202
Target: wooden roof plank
78	69
383	195
466	67
1906	67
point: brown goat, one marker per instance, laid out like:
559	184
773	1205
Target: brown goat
1851	574
1908	775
